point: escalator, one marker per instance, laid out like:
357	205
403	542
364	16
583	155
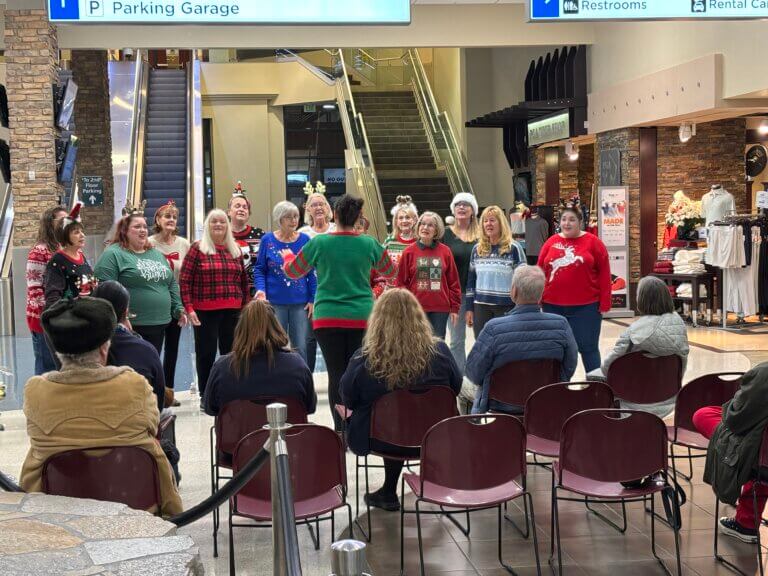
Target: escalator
165	148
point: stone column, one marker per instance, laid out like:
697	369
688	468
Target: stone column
31	53
92	122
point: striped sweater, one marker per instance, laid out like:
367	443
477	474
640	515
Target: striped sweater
343	262
490	277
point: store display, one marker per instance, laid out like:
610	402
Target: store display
717	203
682	218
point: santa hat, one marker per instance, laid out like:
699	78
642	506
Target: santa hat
464	197
404	203
73	216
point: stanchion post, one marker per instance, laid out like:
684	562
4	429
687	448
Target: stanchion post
348	558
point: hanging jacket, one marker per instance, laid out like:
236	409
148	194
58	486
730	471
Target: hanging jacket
734	447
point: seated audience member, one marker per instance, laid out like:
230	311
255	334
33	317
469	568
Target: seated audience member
128	348
735	431
88	404
399	351
260	364
659	331
525	333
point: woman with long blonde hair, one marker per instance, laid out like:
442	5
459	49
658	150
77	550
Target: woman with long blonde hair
214	287
260	364
491	267
399	351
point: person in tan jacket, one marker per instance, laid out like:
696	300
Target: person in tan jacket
87	404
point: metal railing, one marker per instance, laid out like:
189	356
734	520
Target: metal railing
6	231
138	129
195	184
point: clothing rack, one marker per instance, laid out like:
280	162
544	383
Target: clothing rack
729	220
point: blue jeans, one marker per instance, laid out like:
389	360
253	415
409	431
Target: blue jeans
293	319
585	322
458	334
439	321
44	361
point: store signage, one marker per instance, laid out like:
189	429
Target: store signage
613	229
549	129
762	200
559	10
230	11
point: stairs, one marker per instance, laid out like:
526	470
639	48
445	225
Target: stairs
401	152
165	149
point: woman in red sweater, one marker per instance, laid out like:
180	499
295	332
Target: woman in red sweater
578	283
214	287
427	270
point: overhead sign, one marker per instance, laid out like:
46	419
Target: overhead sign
563	10
549	129
92	190
230	11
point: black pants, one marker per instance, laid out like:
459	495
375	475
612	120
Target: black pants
338	345
392	467
311	347
532	260
171	352
155	335
216	330
486	312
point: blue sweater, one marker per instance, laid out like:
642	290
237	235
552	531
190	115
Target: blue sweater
525	333
490	277
268	275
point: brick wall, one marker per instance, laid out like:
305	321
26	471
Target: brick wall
31	55
586	172
714	156
92	118
569	175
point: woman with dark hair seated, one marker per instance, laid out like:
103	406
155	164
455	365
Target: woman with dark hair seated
260	364
399	351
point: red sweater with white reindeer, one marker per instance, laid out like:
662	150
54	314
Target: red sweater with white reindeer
578	271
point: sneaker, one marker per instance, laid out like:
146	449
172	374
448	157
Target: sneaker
730	527
381	499
176	404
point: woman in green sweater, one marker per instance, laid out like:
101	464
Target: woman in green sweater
344	299
145	272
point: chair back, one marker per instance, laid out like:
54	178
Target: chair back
644	379
239	418
549	407
402	417
613	445
763	456
474	452
315	456
514	382
125	474
708	390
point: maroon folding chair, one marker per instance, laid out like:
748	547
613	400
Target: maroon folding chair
125	474
514	382
235	421
166	430
547	409
708	390
600	449
761	478
318	479
400	419
644	379
471	463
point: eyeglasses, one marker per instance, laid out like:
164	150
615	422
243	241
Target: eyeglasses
463	204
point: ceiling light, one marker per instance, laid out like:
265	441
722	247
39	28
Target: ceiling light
687	131
763	128
329	106
572	151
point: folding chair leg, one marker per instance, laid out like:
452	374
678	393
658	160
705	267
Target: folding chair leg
231	543
456	523
367	535
690	465
507	567
351	523
556	539
653	541
758	514
418	533
315	538
402	535
333	526
623	528
509	519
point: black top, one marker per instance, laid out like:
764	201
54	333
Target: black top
67	278
129	349
289	376
359	391
462	254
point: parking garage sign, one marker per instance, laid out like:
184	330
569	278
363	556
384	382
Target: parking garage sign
230	11
568	10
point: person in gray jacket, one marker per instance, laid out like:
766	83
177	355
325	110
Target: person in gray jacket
525	333
659	331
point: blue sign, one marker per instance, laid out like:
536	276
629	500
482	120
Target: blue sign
230	11
569	10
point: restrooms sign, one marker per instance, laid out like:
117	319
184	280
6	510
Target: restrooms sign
565	10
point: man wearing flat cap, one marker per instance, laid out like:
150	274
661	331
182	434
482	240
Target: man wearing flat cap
87	404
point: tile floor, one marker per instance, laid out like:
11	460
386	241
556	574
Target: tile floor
589	546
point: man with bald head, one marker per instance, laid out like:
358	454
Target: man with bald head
525	333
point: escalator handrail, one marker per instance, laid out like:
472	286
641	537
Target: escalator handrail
138	125
6	228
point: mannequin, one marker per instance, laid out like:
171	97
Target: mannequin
716	203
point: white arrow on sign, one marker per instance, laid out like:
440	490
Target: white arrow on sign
91	198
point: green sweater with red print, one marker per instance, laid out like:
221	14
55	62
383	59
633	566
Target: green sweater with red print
343	261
